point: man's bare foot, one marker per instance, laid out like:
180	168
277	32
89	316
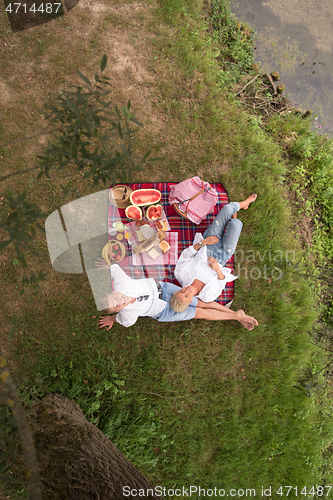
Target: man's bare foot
246	320
248	326
245	204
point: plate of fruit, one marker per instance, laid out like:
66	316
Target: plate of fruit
113	252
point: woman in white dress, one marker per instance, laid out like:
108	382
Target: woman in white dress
200	268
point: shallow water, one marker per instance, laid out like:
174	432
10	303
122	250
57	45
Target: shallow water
296	39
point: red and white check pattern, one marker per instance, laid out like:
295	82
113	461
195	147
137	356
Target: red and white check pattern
170	257
201	205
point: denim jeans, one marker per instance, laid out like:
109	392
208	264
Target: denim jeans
226	246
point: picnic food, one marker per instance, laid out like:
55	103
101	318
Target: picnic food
119	236
128	235
118	225
164	246
147	231
143	197
154	212
113	251
161	235
161	225
153	253
150	243
140	223
133	212
140	236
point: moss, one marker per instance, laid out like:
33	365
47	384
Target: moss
275	75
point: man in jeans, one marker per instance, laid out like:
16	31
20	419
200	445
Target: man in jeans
200	268
146	297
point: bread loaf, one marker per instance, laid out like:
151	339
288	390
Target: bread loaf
161	235
151	242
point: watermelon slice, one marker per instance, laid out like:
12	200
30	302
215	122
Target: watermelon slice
154	212
141	197
133	212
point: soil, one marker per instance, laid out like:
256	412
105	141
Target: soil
78	40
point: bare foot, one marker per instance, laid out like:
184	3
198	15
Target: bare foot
248	326
234	216
245	204
246	320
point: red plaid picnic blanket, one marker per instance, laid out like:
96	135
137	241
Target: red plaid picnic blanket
186	231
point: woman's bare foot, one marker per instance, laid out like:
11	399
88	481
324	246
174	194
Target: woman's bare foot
246	320
245	204
234	216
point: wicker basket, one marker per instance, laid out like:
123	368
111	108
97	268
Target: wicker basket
106	249
176	205
119	196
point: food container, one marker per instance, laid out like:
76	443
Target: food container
115	248
119	226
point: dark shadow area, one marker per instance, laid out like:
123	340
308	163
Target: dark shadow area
70	4
31	13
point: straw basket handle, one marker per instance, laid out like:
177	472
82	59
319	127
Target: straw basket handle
194	196
176	205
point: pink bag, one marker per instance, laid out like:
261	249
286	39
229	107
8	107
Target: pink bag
193	199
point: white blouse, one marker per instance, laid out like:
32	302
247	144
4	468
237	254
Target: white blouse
193	265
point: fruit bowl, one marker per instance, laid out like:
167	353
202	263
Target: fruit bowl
113	252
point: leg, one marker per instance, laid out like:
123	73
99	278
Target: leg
213	314
226	247
218	315
245	204
229	211
220	222
219	307
242	317
229	241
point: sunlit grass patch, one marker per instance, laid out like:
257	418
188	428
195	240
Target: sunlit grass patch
213	399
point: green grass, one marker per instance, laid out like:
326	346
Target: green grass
200	402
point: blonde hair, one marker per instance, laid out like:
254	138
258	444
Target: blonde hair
176	305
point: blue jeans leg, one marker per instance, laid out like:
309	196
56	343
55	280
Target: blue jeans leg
226	246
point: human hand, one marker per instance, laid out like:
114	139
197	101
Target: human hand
212	262
210	240
106	321
102	264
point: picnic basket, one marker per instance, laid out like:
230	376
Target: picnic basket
191	199
119	196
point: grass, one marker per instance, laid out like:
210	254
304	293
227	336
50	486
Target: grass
193	403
